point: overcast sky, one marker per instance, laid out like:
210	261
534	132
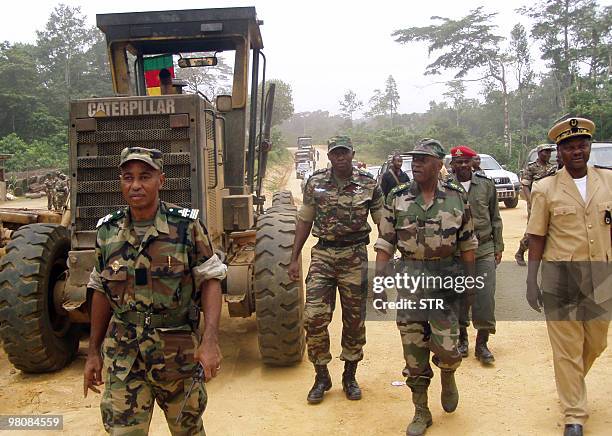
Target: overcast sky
322	48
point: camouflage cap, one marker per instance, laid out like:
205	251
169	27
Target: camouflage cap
429	147
339	142
150	156
543	147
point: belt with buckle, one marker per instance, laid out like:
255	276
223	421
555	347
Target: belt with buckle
325	243
167	319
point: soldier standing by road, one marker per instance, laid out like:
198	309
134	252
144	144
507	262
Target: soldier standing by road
476	165
337	200
49	190
535	170
482	197
394	175
60	192
428	220
154	266
570	234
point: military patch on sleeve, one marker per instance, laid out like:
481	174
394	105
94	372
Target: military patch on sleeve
110	217
191	214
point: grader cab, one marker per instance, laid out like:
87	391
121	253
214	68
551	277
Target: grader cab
214	158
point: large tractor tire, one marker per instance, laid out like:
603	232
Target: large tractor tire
282	202
36	338
279	302
511	203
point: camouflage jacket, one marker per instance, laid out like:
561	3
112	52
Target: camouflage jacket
170	254
340	212
419	231
536	171
484	206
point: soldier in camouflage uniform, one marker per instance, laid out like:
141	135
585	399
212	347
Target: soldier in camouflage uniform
49	190
535	171
155	266
428	220
337	200
488	227
60	192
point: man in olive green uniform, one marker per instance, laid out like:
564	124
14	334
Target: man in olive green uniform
570	235
60	192
482	197
428	221
337	202
535	171
155	266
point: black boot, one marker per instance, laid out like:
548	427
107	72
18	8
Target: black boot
450	395
322	384
422	416
520	257
482	351
462	345
572	430
349	384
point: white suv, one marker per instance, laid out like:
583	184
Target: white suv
506	182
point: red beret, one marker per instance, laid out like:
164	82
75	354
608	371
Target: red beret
463	150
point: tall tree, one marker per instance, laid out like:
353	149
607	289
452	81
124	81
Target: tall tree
392	96
466	44
349	104
456	93
557	24
283	101
521	59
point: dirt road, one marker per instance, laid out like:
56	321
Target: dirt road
516	396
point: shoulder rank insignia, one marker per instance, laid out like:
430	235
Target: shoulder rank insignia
399	188
191	214
110	217
483	175
453	185
365	173
319	171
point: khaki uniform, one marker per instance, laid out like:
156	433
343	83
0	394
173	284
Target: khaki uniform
152	280
576	277
339	211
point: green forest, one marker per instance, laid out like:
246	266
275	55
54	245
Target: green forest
516	106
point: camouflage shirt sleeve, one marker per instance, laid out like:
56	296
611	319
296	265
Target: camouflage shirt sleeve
466	237
205	264
527	179
387	236
95	282
307	211
376	207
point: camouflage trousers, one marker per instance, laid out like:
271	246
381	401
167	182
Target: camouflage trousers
346	269
524	242
483	309
49	200
59	201
127	405
430	331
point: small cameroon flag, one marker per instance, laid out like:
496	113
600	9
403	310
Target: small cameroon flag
152	66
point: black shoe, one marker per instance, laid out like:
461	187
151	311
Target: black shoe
322	384
462	345
572	430
482	351
349	384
